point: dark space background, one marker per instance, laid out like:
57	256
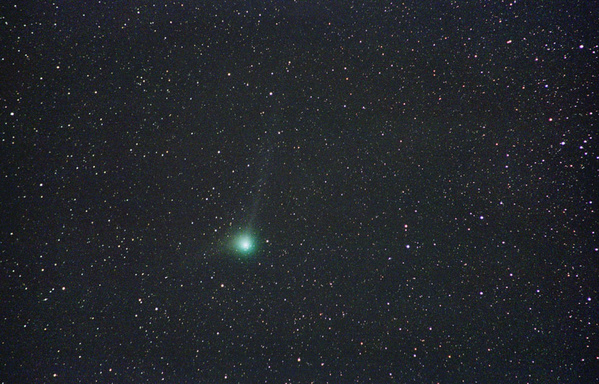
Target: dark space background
419	179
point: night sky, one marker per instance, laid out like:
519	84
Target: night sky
299	191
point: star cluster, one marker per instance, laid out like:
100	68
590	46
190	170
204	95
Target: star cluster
299	191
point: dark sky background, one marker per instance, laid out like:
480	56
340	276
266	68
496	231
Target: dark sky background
418	178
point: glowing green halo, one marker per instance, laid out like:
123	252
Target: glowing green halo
244	245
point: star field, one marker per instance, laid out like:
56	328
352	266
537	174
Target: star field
299	191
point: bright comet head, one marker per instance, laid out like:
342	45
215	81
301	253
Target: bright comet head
244	244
